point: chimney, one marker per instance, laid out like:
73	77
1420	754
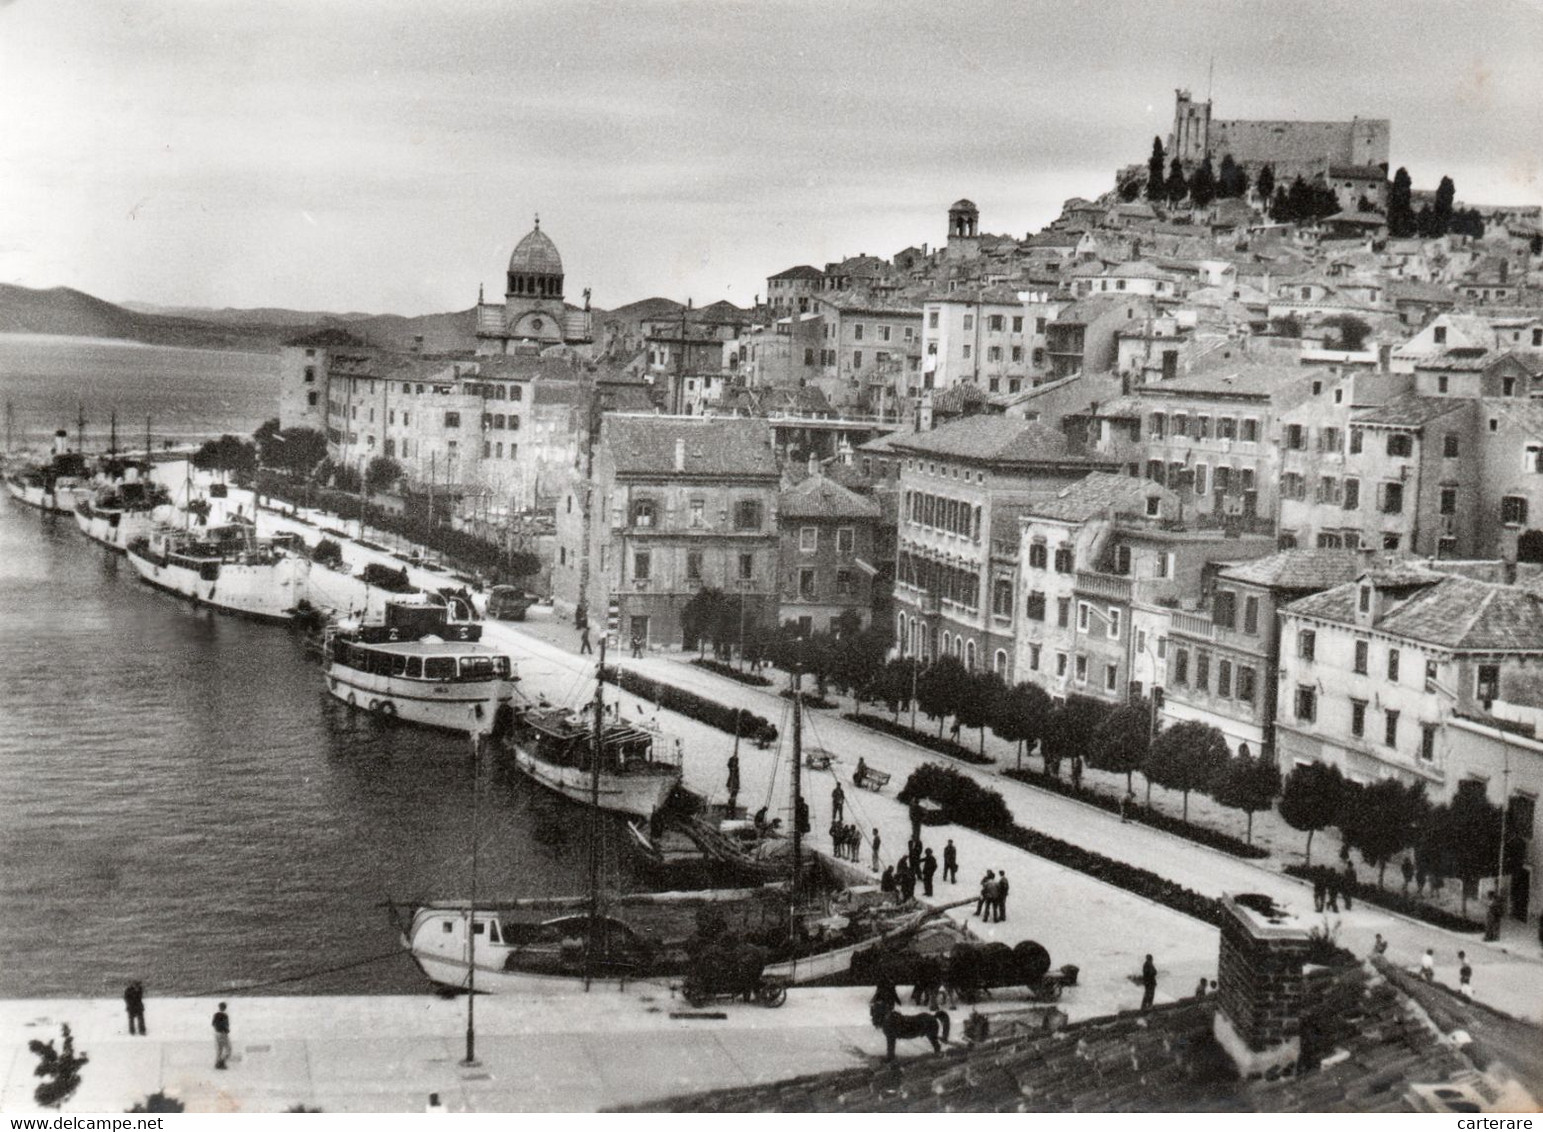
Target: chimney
680	453
1260	984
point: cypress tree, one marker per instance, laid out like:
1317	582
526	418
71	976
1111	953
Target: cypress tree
1155	186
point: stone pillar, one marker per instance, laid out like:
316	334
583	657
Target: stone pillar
1260	985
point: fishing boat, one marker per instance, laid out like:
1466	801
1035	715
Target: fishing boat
424	664
227	568
118	513
638	768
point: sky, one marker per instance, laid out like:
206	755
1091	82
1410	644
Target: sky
385	156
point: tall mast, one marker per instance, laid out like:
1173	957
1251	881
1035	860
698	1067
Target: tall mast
471	915
112	439
80	427
594	817
147	444
798	758
10	418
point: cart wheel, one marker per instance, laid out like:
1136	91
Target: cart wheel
772	994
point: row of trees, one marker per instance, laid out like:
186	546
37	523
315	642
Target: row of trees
1432	220
1166	182
1380	821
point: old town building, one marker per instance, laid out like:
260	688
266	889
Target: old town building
827	559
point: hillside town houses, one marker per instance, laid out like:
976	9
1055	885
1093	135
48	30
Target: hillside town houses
1283	476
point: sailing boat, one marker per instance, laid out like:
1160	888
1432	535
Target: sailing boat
545	945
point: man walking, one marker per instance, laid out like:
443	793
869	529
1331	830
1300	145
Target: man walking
1464	975
929	869
134	1003
1428	965
584	639
1148	983
221	1037
733	783
1001	897
838	801
950	862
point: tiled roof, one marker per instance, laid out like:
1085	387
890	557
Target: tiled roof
1359	219
718	446
1096	494
1164	1060
1453	612
1259	380
1408	410
819	497
1139	269
802	271
1299	569
992	439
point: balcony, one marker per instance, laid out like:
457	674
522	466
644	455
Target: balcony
1112	587
1197	625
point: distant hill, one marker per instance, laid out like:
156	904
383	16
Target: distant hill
61	310
642	309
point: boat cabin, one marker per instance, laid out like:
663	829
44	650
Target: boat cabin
563	738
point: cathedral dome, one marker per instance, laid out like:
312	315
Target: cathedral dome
536	255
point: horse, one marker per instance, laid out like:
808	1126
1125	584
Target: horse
934	1027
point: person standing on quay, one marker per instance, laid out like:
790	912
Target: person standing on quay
950	862
1148	983
584	646
838	801
929	869
733	783
987	890
876	842
1464	975
134	1003
1001	897
221	1037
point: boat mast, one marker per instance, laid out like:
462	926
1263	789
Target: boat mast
80	427
10	419
798	758
112	439
147	446
471	915
594	817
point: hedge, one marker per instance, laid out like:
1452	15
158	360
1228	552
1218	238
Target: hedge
747	724
1201	835
973	805
809	699
728	671
1396	902
920	738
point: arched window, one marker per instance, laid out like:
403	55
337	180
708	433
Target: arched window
900	631
947	639
999	663
969	656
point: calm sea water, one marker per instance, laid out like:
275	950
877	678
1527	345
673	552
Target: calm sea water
181	802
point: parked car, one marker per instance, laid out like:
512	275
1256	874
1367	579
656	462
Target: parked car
509	603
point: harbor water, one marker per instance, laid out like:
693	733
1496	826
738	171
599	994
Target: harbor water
185	806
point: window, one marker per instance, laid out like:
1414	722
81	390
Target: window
1390	729
969	322
1063	612
1063	559
1356	439
694	565
1111	674
1307	703
808	539
932	320
1428	743
857	359
1246	684
1157	423
1400	444
1224	678
1034	651
1202	670
1513	510
1017	356
642	512
1037	555
1328	440
1307	643
857	332
1296	437
1533	459
1200	478
747	515
1002	597
1034	605
1358	718
746	567
1487	683
1224	609
806	591
1392	498
641	564
846	539
1251	615
310	399
1443	384
1449	447
1449	501
1082	669
698	514
1122	560
1181	666
1352	496
1114	624
1250	430
966	350
996	323
1083	611
1060	664
452	420
1393	666
1439	335
1227	428
1362	656
993	353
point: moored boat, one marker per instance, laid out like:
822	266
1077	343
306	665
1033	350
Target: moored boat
227	568
52	487
117	514
423	664
638	768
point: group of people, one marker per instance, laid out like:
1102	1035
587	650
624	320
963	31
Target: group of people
846	841
1329	886
134	1005
1464	970
992	905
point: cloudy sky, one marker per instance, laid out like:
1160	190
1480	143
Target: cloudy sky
379	155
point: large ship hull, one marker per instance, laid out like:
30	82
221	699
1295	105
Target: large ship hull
59	500
463	706
637	795
114	529
264	591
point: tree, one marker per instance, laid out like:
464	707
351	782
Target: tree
1382	820
60	1070
1202	186
1068	727
227	454
1177	186
941	689
298	451
1470	836
1425	223
1121	742
1441	215
1310	799
1280	207
858	655
382	474
1350	330
1155	186
1231	180
1401	223
1248	783
1265	185
701	618
1021	715
891	685
979	704
1188	756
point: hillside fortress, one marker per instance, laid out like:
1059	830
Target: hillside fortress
1293	148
